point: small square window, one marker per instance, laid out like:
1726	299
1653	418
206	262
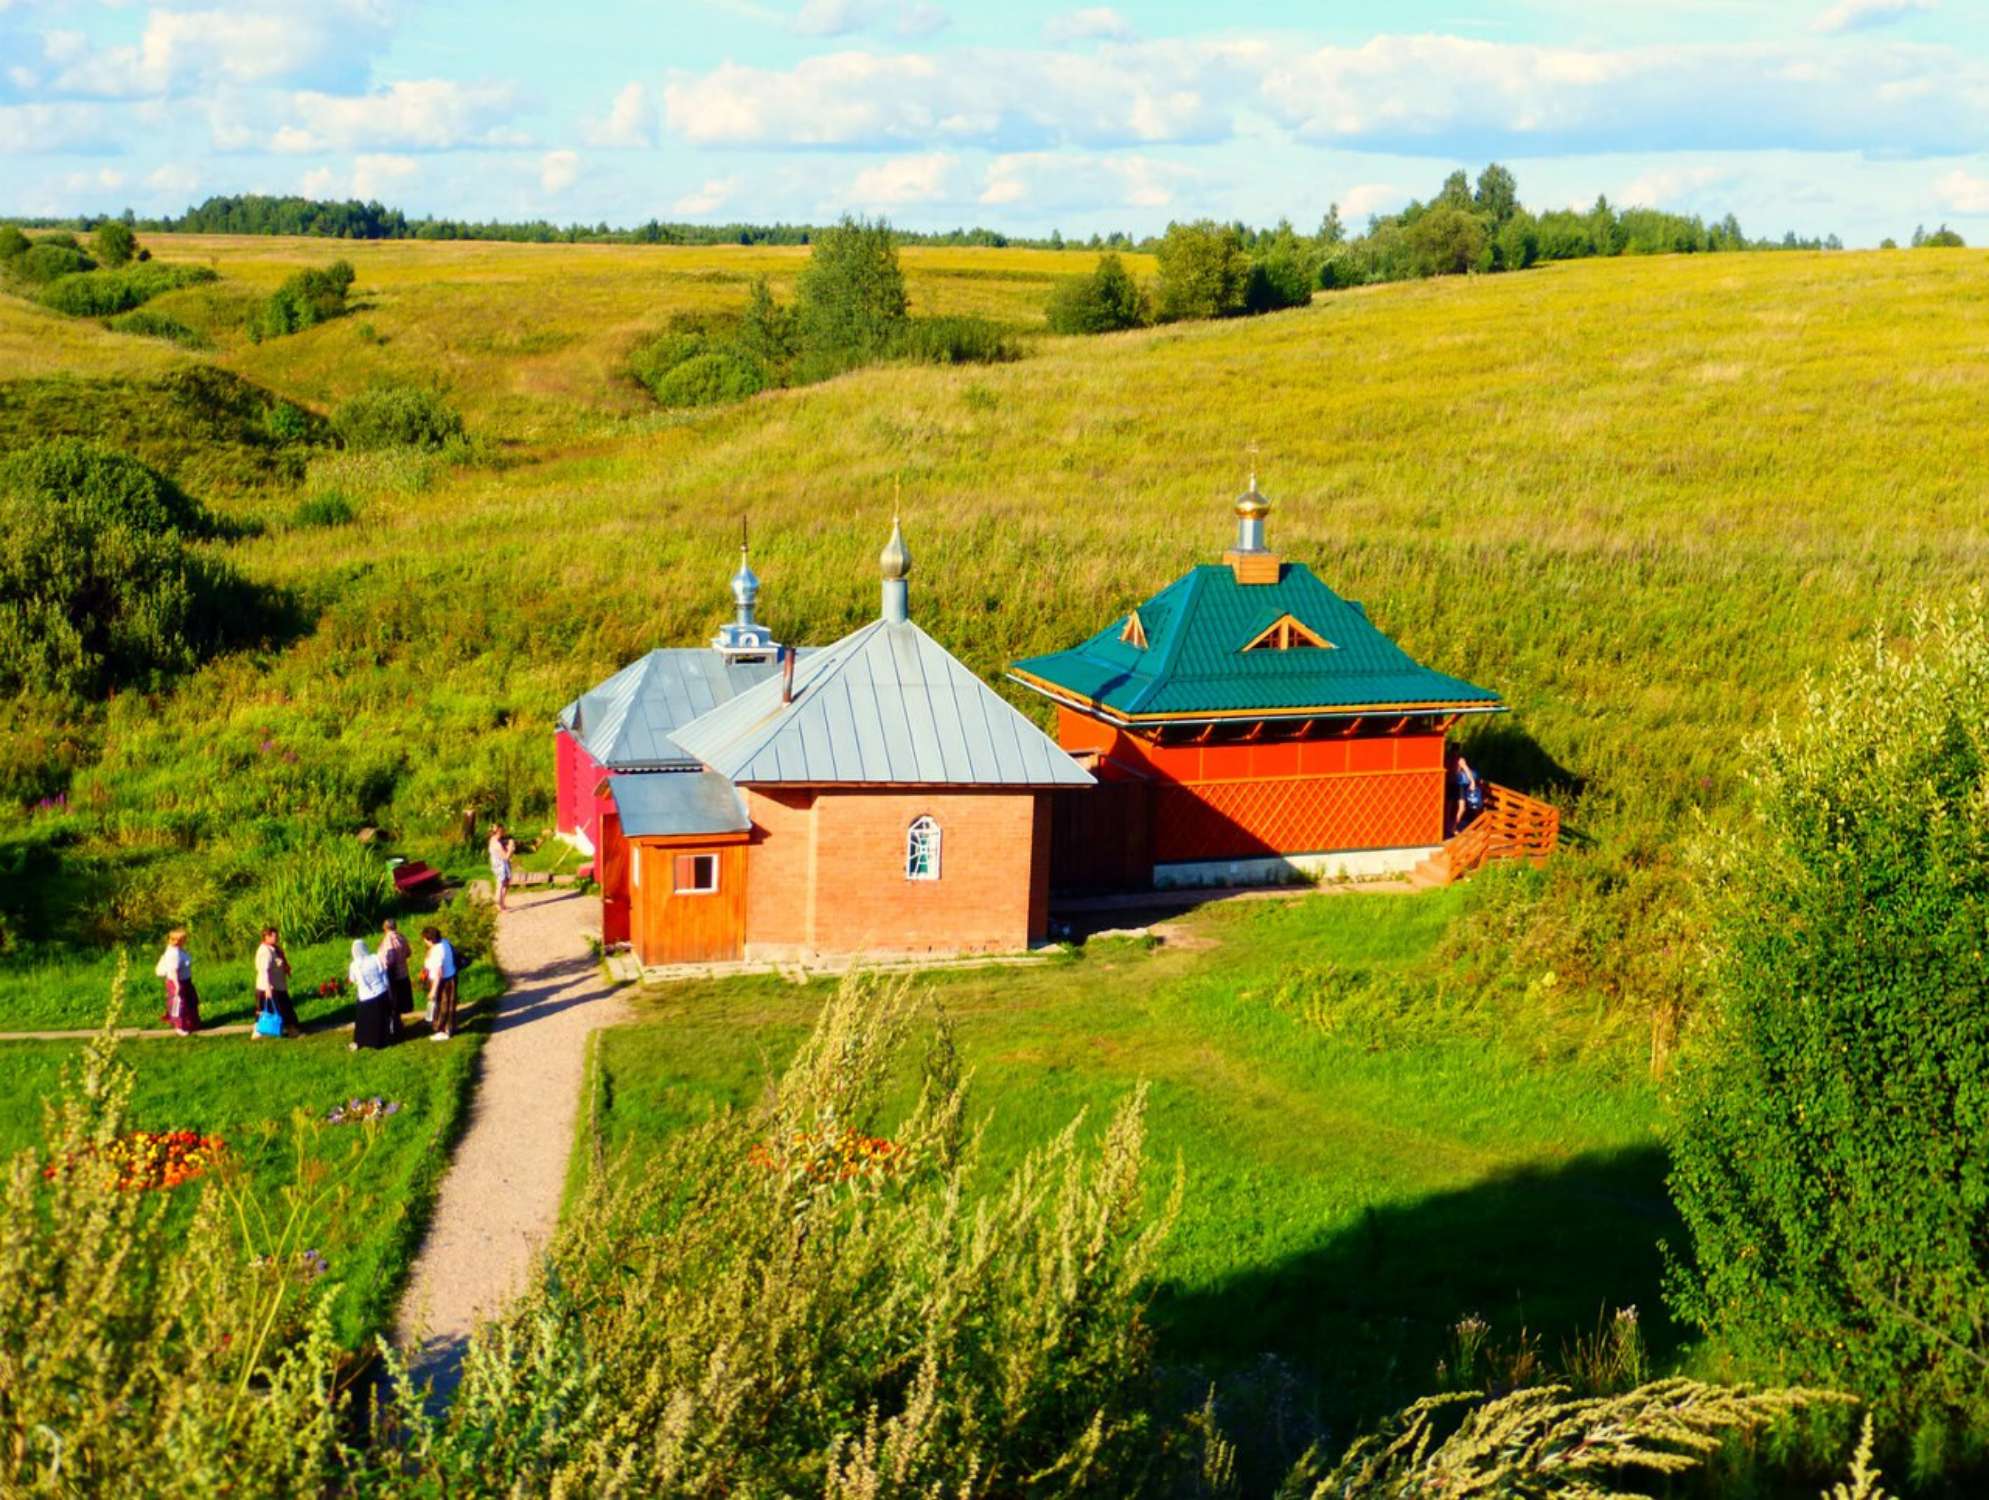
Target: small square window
697	874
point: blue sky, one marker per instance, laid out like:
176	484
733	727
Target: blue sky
1860	117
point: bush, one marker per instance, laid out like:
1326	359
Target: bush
153	325
850	297
12	242
1828	1140
99	294
1446	241
97	585
396	416
1203	272
793	1299
114	243
709	380
1283	276
328	509
304	301
954	341
1106	301
42	263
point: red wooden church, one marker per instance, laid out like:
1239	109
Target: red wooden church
1247	725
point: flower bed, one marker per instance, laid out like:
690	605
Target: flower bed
353	1111
826	1156
152	1161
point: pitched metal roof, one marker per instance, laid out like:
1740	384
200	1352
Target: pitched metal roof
888	705
1194	662
657	804
627	722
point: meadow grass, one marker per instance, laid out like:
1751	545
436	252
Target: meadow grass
1353	1189
249	1092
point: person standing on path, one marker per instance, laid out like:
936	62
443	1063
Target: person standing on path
439	965
394	954
502	847
175	967
369	988
273	982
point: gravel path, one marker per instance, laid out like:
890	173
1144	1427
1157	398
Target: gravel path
500	1198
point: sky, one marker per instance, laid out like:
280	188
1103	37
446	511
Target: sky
1862	118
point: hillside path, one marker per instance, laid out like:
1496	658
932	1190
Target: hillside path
500	1198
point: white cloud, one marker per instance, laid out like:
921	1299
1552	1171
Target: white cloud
1096	23
1963	193
319	182
1370	197
707	199
426	115
1667	185
908	18
905	179
186	51
629	123
559	170
1862	15
81	128
1400	95
379	176
1063	181
173	178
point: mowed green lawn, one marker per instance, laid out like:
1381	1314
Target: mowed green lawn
1367	1159
253	1093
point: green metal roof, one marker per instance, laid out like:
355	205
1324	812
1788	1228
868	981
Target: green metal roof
1194	662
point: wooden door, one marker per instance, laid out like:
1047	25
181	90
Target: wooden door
611	860
691	903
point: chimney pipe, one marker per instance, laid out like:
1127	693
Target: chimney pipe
787	676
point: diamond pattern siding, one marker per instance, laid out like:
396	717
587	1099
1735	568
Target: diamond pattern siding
1297	815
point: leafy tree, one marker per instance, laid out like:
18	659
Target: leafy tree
1832	1121
1456	191
114	243
1943	238
1204	272
1331	230
850	298
1517	244
1888	243
1446	241
1107	300
1497	196
766	331
1283	274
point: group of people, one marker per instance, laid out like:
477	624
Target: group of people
381	985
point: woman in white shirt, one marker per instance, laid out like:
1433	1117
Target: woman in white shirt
175	967
369	988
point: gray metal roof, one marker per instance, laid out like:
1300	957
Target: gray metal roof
887	704
657	804
626	722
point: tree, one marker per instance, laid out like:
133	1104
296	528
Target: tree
1331	230
1943	238
1107	300
1204	272
1829	1122
766	332
850	298
1517	244
1456	190
1498	194
1445	241
1283	274
114	243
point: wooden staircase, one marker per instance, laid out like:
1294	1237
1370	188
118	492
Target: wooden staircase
1511	826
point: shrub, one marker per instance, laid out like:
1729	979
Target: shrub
12	242
1203	272
652	361
42	263
1445	241
954	341
287	422
1283	276
114	243
304	301
328	509
850	297
710	379
334	889
97	585
99	294
805	1298
153	325
396	416
1827	1145
1106	301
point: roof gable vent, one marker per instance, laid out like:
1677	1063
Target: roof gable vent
1287	633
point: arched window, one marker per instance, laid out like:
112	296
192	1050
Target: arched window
922	850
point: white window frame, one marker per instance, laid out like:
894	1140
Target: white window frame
678	888
922	837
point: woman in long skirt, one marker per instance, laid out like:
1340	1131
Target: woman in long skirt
369	988
175	967
393	956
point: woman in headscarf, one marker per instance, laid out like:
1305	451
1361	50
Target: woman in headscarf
369	987
175	967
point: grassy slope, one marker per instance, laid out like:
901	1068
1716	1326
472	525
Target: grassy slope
247	1092
1356	1182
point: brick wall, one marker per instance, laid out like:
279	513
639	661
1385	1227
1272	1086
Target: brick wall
850	894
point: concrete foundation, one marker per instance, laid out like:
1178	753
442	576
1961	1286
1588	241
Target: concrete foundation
1292	869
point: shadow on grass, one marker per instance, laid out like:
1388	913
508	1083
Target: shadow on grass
1505	753
1326	1342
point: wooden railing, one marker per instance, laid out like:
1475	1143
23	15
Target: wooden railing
1512	825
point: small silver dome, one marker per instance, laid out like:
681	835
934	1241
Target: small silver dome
745	584
895	561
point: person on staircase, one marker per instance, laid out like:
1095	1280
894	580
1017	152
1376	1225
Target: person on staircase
1467	791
